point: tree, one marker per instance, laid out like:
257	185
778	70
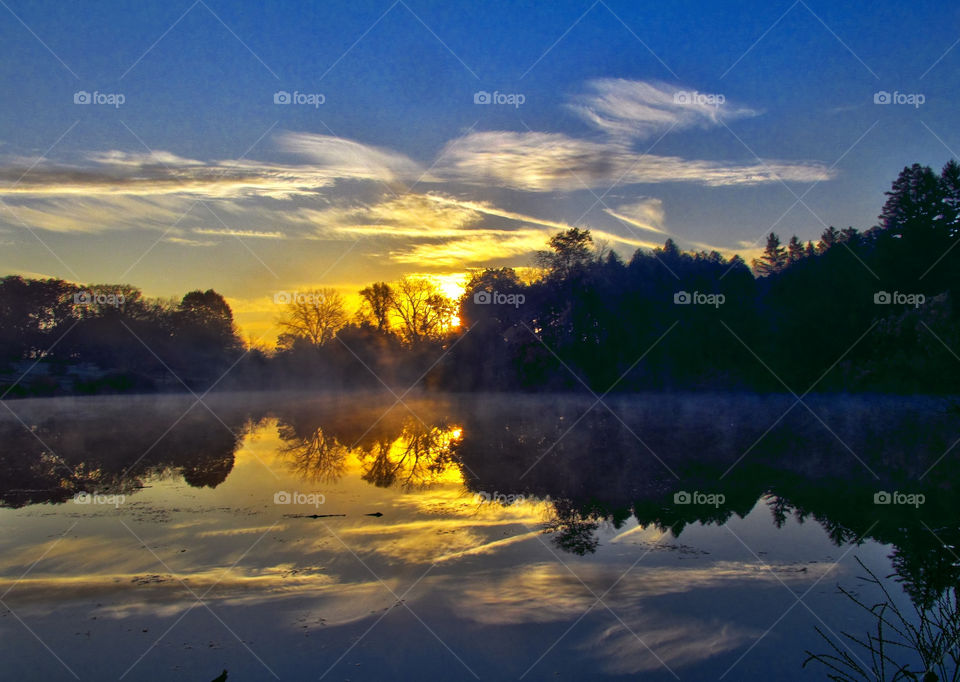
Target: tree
314	315
773	259
571	251
423	312
830	236
32	315
209	311
376	301
950	188
914	202
794	250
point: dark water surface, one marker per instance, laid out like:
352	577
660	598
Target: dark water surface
656	537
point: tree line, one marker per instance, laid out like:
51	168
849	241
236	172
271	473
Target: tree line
869	310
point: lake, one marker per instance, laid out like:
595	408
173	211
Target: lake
459	537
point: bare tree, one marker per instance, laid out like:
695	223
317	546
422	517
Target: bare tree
375	304
315	315
423	312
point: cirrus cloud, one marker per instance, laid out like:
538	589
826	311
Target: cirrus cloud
551	162
641	109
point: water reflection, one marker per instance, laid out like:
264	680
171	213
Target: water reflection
595	468
563	474
403	452
54	449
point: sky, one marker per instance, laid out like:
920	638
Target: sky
256	148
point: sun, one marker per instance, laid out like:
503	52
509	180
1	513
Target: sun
452	285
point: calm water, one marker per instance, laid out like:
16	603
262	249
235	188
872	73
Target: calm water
481	537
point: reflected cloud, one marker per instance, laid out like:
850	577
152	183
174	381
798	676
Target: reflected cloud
672	640
519	597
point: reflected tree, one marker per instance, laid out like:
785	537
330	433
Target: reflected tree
315	456
573	530
418	458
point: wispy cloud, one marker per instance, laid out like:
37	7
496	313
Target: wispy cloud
217	180
646	214
183	241
550	162
641	109
343	158
226	232
323	160
440	231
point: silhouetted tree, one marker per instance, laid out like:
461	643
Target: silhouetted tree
773	259
571	250
314	315
376	302
422	311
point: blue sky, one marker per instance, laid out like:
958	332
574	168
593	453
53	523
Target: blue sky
692	120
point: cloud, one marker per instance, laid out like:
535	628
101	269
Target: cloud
441	231
145	178
641	110
348	159
152	158
551	162
97	213
118	173
183	241
254	234
646	214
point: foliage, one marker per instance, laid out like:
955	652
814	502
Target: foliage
930	636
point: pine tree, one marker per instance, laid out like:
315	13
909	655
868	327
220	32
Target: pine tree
774	257
794	250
